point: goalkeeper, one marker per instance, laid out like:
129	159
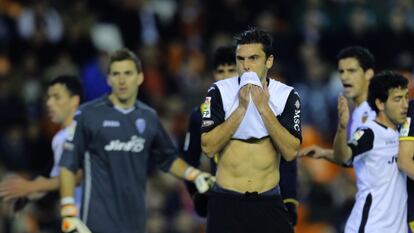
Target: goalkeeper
112	140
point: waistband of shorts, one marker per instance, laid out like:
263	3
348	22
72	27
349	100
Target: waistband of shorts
271	193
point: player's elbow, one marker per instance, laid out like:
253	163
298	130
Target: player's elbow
206	146
289	156
208	150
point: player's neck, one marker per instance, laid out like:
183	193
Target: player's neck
360	99
129	103
383	119
68	121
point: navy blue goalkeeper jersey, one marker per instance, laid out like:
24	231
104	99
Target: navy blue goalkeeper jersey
113	147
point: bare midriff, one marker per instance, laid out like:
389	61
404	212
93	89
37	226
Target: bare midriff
248	166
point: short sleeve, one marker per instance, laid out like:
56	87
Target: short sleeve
291	115
212	110
362	140
163	148
74	147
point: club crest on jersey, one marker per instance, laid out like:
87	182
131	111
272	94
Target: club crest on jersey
206	107
364	117
297	104
405	128
140	124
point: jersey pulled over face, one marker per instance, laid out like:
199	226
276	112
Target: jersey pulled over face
124	79
225	71
60	104
352	78
251	57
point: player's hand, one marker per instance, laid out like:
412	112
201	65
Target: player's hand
343	112
244	96
260	96
202	180
411	225
15	187
70	222
313	151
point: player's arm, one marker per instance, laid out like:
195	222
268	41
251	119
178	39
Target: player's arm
285	132
72	160
317	152
217	132
191	151
166	157
16	186
406	157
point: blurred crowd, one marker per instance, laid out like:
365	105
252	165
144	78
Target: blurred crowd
175	39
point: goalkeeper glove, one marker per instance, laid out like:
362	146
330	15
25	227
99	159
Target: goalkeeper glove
411	225
70	222
202	180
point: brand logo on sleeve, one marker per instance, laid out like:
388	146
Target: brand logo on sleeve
206	107
405	128
135	144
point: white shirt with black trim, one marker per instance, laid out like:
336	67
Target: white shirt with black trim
361	114
381	200
223	99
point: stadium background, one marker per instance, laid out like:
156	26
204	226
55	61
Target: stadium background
175	40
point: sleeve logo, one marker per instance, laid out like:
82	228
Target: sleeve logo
405	128
356	136
206	107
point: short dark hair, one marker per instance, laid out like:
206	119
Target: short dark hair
224	55
71	82
253	36
381	84
364	56
122	55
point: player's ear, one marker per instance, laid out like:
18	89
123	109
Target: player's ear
380	105
369	74
75	101
269	61
140	78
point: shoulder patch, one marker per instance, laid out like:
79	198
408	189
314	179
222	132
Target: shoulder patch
405	128
206	107
357	135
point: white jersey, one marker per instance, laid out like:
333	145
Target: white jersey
57	147
381	200
360	115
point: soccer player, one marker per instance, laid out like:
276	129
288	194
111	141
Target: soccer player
406	161
356	68
224	66
64	94
250	121
381	200
113	138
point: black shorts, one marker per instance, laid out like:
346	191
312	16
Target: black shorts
232	212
